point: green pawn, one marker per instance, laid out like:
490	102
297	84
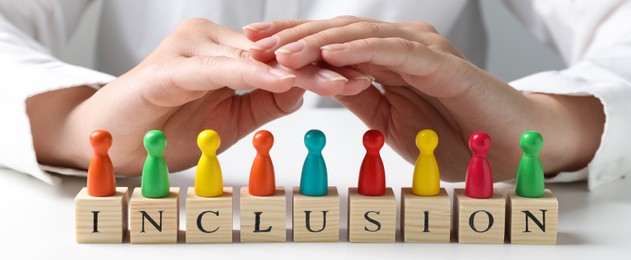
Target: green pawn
530	180
155	173
314	180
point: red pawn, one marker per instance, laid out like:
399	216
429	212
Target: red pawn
101	180
372	175
262	179
479	180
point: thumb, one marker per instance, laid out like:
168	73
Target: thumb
260	107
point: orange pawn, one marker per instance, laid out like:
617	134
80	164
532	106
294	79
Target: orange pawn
262	180
101	180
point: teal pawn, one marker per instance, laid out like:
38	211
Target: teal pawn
155	173
313	181
530	180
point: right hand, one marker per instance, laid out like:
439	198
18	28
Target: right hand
187	84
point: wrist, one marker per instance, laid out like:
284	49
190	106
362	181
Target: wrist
571	126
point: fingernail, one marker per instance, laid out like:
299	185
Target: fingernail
332	76
291	48
281	73
265	44
334	47
262	26
368	78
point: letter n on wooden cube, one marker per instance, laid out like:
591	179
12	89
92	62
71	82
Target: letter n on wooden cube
316	218
480	221
208	219
263	217
101	219
425	218
154	220
532	220
371	218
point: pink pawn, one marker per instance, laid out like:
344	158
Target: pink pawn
479	180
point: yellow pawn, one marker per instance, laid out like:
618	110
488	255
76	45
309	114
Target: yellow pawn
208	179
426	180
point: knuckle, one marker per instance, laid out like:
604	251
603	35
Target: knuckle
346	18
370	27
426	27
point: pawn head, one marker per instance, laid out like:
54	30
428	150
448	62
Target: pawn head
531	142
155	142
373	140
315	140
208	141
101	141
480	142
426	141
263	141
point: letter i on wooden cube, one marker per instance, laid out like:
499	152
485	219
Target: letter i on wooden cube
533	210
316	207
263	214
101	207
480	209
372	206
208	204
154	208
426	208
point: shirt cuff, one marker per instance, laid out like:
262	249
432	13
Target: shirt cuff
17	151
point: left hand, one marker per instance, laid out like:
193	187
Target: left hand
428	84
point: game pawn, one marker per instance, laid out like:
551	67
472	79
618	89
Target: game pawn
154	208
479	209
262	203
372	205
533	210
209	203
315	204
101	207
426	208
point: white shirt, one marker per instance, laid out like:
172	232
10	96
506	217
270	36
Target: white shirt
593	37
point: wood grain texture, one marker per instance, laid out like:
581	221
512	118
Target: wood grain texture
534	234
413	219
214	214
111	217
152	206
378	209
321	231
473	218
272	215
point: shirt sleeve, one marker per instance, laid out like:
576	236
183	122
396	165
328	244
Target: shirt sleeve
594	39
30	32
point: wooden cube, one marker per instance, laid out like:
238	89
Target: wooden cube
154	220
425	218
209	219
532	220
101	219
316	218
371	218
479	221
263	218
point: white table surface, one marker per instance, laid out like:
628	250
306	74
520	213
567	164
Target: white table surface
37	219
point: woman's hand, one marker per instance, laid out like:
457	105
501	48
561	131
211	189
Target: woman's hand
185	85
427	83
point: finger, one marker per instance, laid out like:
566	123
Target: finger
415	63
186	79
321	81
260	107
357	81
263	50
308	49
199	30
257	31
